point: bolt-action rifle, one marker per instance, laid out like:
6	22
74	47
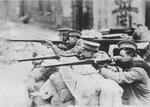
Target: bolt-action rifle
97	40
82	62
39	41
128	31
40	58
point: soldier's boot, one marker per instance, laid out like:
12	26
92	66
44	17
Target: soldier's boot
62	90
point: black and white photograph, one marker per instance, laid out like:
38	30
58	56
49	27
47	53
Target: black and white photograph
74	53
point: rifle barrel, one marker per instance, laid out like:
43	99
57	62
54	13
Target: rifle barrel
14	40
41	41
109	41
40	58
82	62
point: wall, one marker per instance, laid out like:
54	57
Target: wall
52	13
95	14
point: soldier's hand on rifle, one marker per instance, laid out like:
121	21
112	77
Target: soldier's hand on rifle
101	56
96	60
37	62
48	43
62	46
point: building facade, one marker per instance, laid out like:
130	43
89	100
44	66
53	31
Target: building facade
79	14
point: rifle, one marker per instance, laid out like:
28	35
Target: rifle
38	41
40	58
128	31
109	41
82	62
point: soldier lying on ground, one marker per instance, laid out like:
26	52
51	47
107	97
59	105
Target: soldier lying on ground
134	77
90	51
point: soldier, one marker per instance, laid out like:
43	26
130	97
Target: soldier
56	79
41	74
63	35
133	77
141	33
90	50
74	40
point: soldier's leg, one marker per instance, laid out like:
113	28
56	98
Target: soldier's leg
61	88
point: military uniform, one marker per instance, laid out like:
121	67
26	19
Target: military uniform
134	78
113	95
56	78
109	91
147	53
77	47
91	50
141	33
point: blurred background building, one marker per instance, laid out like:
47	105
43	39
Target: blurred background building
78	14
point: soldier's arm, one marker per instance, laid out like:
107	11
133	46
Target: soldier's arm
62	46
56	49
100	55
75	50
123	77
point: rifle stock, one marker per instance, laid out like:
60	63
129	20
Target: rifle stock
40	58
39	41
82	62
